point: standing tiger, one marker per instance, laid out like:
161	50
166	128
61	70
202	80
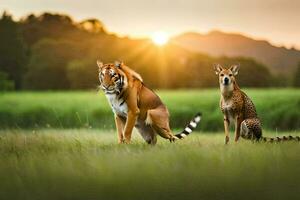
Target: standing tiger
135	105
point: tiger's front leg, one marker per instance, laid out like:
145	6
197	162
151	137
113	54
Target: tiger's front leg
131	119
120	126
132	114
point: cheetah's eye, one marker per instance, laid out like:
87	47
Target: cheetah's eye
230	74
222	75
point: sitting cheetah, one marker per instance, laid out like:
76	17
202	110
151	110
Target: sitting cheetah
238	108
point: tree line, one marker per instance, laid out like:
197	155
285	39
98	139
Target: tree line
53	52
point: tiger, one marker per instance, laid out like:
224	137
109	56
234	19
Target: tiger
135	105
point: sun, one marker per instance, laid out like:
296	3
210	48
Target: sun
160	38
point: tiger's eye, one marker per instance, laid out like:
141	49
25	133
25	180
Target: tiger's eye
222	74
230	74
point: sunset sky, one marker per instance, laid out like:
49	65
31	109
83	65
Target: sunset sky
275	20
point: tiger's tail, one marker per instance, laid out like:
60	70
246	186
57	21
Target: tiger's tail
189	127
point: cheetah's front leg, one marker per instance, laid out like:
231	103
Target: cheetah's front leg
226	128
238	121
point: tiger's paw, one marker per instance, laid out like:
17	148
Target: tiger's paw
226	139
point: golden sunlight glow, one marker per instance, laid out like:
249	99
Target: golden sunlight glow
160	38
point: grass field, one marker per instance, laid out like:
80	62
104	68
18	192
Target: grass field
279	109
61	145
88	164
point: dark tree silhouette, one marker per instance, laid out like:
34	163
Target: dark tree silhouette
12	50
297	77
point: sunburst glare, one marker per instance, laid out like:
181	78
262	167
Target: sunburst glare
160	38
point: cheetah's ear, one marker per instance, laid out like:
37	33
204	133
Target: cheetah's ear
218	68
235	69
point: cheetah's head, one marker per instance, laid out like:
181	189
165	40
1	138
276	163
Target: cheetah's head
226	76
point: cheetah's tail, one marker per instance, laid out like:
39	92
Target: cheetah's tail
280	139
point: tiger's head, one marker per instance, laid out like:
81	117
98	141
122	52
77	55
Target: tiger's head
112	78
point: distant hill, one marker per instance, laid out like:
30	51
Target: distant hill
216	43
61	54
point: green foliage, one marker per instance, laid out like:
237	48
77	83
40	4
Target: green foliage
89	164
297	77
5	83
47	25
277	108
12	50
82	74
47	65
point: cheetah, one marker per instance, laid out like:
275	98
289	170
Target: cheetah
238	108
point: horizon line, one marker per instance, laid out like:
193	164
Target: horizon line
148	35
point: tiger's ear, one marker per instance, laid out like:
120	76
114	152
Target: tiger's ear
118	64
218	68
100	64
235	69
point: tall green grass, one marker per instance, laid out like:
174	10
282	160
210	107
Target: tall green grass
279	109
88	164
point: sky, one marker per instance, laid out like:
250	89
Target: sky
277	21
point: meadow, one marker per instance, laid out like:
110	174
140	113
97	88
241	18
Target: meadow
279	109
89	164
62	145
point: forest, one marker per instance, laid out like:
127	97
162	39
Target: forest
54	52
